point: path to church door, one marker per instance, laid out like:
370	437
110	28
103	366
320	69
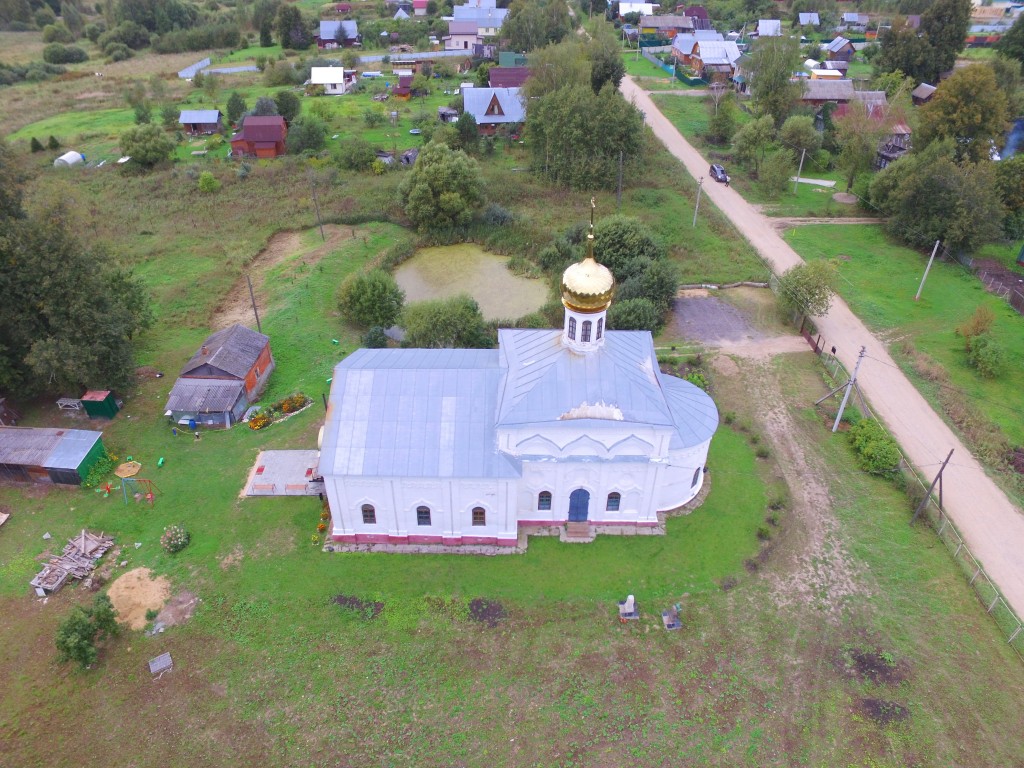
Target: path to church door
579	504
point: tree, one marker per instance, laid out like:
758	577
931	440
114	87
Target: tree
146	145
532	24
776	171
143	113
928	196
356	154
52	143
80	630
35	145
55	53
753	141
469	135
445	323
307	134
443	189
288	105
902	49
1010	80
211	86
555	67
857	134
169	116
799	134
236	107
625	246
1011	44
371	299
893	83
72	18
1010	183
266	28
292	29
578	138
808	288
265	107
637	314
606	64
945	26
773	61
722	124
969	108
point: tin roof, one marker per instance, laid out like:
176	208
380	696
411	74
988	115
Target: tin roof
666	22
809	18
508	106
262	128
204	395
199	116
339	30
46	447
837	45
828	90
769	28
718	51
508	77
234	350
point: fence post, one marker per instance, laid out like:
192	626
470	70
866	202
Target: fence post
993	605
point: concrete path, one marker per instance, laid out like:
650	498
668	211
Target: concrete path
992	527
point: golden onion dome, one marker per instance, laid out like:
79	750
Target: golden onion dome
588	286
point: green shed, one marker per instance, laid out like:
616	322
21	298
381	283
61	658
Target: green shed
100	404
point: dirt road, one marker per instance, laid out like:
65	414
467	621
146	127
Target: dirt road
991	525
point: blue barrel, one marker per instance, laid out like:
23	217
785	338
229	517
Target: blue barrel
191	425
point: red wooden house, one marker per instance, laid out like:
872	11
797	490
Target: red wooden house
260	137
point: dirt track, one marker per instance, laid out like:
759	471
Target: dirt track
991	525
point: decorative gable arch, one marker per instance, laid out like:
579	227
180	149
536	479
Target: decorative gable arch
537	445
631	446
585	446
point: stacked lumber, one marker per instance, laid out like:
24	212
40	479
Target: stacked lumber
77	561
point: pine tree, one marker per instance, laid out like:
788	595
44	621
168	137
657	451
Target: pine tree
36	145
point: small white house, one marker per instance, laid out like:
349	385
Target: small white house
68	159
335	80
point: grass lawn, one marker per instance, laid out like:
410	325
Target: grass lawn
808	200
879	280
641	67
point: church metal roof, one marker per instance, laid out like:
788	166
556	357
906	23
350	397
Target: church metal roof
436	412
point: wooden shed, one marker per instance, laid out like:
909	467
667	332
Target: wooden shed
100	404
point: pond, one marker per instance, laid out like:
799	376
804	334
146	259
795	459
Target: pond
443	271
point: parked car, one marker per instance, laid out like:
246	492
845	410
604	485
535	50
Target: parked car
718	174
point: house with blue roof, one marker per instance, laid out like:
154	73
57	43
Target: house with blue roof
492	107
198	122
338	34
573	427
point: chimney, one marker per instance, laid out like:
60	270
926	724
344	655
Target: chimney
205	350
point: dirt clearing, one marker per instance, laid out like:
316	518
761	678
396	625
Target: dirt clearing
237	306
136	592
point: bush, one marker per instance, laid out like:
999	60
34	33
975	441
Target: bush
375	338
57	33
877	452
356	154
200	38
208	183
259	421
118	52
52	143
78	633
371	299
135	36
55	53
174	539
35	145
979	324
987	356
93	31
496	216
214	142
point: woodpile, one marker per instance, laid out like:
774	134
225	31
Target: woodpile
77	561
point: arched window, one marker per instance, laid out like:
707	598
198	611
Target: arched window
544	500
696	477
613	502
422	515
369	515
572	328
585	336
479	516
600	329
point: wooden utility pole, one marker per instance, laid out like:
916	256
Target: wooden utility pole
928	495
700	188
803	153
618	194
925	276
252	297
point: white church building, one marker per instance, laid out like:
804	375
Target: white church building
462	446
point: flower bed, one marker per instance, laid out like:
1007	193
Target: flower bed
279	411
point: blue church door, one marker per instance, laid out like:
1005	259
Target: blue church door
579	504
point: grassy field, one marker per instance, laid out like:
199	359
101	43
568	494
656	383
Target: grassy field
808	200
879	280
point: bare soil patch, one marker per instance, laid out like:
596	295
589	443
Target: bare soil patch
136	592
178	609
845	198
237	307
489	612
870	664
884	712
370	609
233	558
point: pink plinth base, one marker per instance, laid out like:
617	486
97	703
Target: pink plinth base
448	541
644	524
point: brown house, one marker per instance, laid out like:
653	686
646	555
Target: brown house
260	137
508	77
222	379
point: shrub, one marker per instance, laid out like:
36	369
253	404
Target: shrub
877	452
55	53
496	216
370	299
103	466
52	143
208	183
697	379
214	142
118	52
151	614
174	539
978	324
35	145
987	356
57	33
762	452
80	630
259	421
375	338
763	533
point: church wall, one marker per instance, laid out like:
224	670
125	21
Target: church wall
631	479
676	486
395	502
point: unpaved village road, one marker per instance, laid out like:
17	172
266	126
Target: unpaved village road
991	525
